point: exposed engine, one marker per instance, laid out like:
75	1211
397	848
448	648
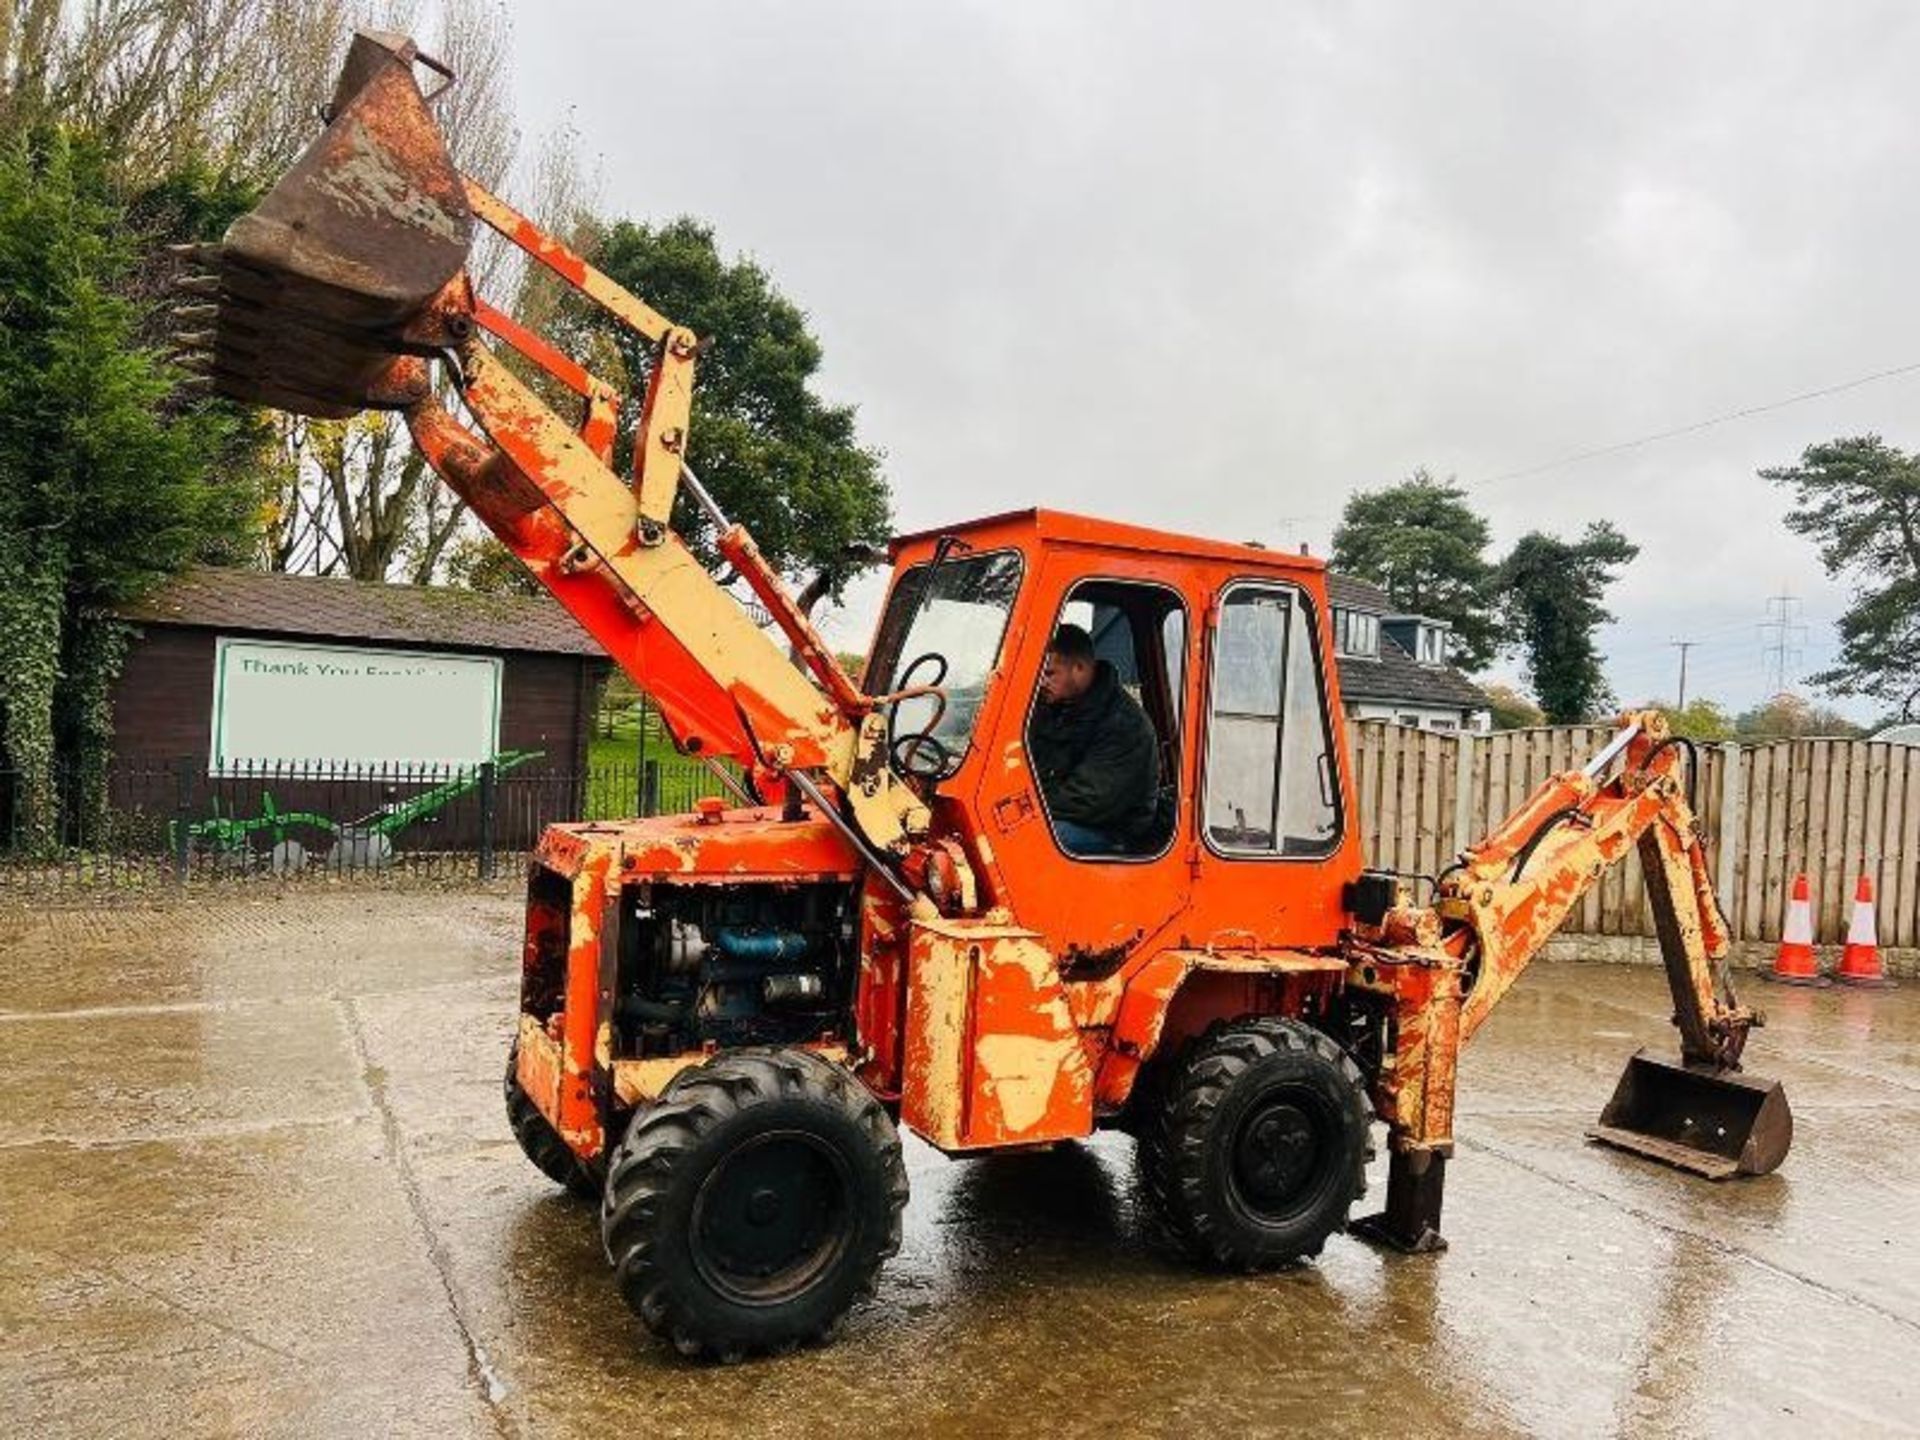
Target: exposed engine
747	965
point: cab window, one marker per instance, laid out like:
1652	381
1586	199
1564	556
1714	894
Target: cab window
1271	785
1139	632
943	626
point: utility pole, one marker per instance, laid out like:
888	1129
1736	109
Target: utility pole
1683	646
1783	634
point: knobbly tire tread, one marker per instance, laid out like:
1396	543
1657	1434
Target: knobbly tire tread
1174	1142
669	1136
541	1143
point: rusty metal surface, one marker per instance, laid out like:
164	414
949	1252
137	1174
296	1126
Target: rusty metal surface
367	227
1444	972
992	1055
1714	1122
637	1081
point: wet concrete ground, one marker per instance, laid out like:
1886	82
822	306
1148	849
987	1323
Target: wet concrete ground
254	1179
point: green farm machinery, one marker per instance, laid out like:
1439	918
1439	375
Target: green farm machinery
366	843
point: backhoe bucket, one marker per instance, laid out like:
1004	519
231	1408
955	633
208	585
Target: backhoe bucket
315	284
1716	1123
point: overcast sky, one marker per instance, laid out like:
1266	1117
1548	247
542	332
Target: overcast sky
1214	274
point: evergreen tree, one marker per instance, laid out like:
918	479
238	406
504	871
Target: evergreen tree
105	483
1425	546
1859	501
1554	592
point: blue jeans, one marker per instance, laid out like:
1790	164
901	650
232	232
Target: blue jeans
1077	839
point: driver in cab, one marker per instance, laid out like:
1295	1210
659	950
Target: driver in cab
1094	750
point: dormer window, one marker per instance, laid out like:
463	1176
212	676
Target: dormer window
1433	645
1356	633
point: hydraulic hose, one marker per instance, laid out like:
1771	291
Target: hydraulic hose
1693	764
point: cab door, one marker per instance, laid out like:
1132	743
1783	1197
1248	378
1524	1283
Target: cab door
1275	838
1095	911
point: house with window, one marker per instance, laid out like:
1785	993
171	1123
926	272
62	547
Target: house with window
1394	666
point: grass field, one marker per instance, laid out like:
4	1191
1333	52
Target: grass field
620	744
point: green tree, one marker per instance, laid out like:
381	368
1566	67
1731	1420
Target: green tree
1510	710
480	562
779	459
1858	500
1789	717
1553	593
1702	720
1423	544
105	483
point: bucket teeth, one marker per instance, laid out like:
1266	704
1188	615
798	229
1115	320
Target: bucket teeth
204	284
194	339
196	314
206	252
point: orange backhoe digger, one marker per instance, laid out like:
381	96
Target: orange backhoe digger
725	1016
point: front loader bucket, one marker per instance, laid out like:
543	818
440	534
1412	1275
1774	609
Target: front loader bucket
314	284
1716	1123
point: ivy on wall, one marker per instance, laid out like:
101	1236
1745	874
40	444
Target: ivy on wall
110	479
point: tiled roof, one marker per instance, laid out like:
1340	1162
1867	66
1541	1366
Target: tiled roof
1351	594
333	609
1396	675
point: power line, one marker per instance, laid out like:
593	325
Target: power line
1785	636
1683	646
1640	649
1620	445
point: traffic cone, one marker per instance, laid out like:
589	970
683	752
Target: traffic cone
1860	961
1795	964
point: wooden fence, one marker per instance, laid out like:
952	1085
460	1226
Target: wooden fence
1832	808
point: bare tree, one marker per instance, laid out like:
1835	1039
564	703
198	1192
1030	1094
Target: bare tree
361	501
232	84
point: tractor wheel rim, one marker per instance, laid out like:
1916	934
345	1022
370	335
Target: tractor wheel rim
1276	1157
772	1217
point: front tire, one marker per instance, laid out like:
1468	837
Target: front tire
753	1204
1257	1147
541	1143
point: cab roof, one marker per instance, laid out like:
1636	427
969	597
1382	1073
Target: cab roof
1063	528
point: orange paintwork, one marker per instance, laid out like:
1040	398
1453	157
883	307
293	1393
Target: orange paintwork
992	1057
1219	935
745	844
1190	895
1026	1014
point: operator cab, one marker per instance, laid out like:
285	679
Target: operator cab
1222	648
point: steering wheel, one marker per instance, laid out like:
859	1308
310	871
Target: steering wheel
918	744
918	747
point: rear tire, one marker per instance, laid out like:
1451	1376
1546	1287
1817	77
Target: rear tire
1257	1147
752	1205
541	1143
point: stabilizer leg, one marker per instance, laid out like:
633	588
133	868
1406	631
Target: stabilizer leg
1416	1180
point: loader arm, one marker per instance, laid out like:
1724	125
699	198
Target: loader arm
1443	968
347	289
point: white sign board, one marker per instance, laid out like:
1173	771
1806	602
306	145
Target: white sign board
282	704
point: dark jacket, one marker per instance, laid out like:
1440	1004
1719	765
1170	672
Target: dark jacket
1098	759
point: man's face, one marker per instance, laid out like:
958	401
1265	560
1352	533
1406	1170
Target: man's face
1062	680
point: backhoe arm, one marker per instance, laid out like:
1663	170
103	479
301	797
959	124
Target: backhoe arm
1508	895
1440	970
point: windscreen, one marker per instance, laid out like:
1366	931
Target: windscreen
956	609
